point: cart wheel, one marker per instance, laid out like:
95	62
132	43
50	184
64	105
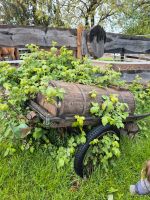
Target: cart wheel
97	133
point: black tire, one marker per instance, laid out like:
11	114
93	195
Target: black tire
97	132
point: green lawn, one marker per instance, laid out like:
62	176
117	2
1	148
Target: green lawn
106	59
26	176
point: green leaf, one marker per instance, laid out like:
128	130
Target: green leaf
18	130
83	139
80	121
61	163
3	107
60	93
32	149
51	92
93	94
6	152
95	141
104	120
112	190
95	108
38	132
110	106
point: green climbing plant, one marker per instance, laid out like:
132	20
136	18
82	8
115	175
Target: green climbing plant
19	85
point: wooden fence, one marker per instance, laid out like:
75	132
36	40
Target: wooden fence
19	36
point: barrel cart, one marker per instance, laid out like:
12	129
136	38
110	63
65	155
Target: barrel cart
77	101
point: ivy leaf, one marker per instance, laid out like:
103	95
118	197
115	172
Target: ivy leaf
72	150
114	98
51	92
110	106
95	141
32	149
61	163
3	107
37	133
80	121
93	94
104	105
104	120
95	108
7	86
105	97
60	93
6	152
83	139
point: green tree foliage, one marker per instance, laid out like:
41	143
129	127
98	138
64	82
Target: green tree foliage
131	16
88	12
57	12
33	12
134	17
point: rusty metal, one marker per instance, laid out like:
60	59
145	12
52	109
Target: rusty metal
77	100
132	128
31	115
132	118
56	122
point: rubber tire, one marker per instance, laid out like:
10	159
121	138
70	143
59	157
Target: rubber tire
97	132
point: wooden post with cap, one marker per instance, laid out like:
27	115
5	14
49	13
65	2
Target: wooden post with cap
79	41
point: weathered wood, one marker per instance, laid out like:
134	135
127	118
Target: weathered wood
77	100
79	41
55	122
131	44
123	66
138	56
19	36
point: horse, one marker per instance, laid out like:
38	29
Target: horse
98	32
94	41
97	39
11	52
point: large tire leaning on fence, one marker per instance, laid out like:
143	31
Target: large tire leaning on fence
97	132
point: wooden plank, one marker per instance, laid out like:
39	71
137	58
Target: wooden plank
20	36
123	66
131	44
139	56
79	41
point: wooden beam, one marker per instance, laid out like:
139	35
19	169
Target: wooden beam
79	41
131	44
19	36
123	66
138	56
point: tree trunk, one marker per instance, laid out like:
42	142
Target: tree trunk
92	21
86	21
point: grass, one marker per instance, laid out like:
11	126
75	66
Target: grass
106	59
26	176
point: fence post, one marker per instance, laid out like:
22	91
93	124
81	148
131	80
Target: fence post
79	41
122	54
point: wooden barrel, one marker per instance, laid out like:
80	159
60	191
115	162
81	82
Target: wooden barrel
77	99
